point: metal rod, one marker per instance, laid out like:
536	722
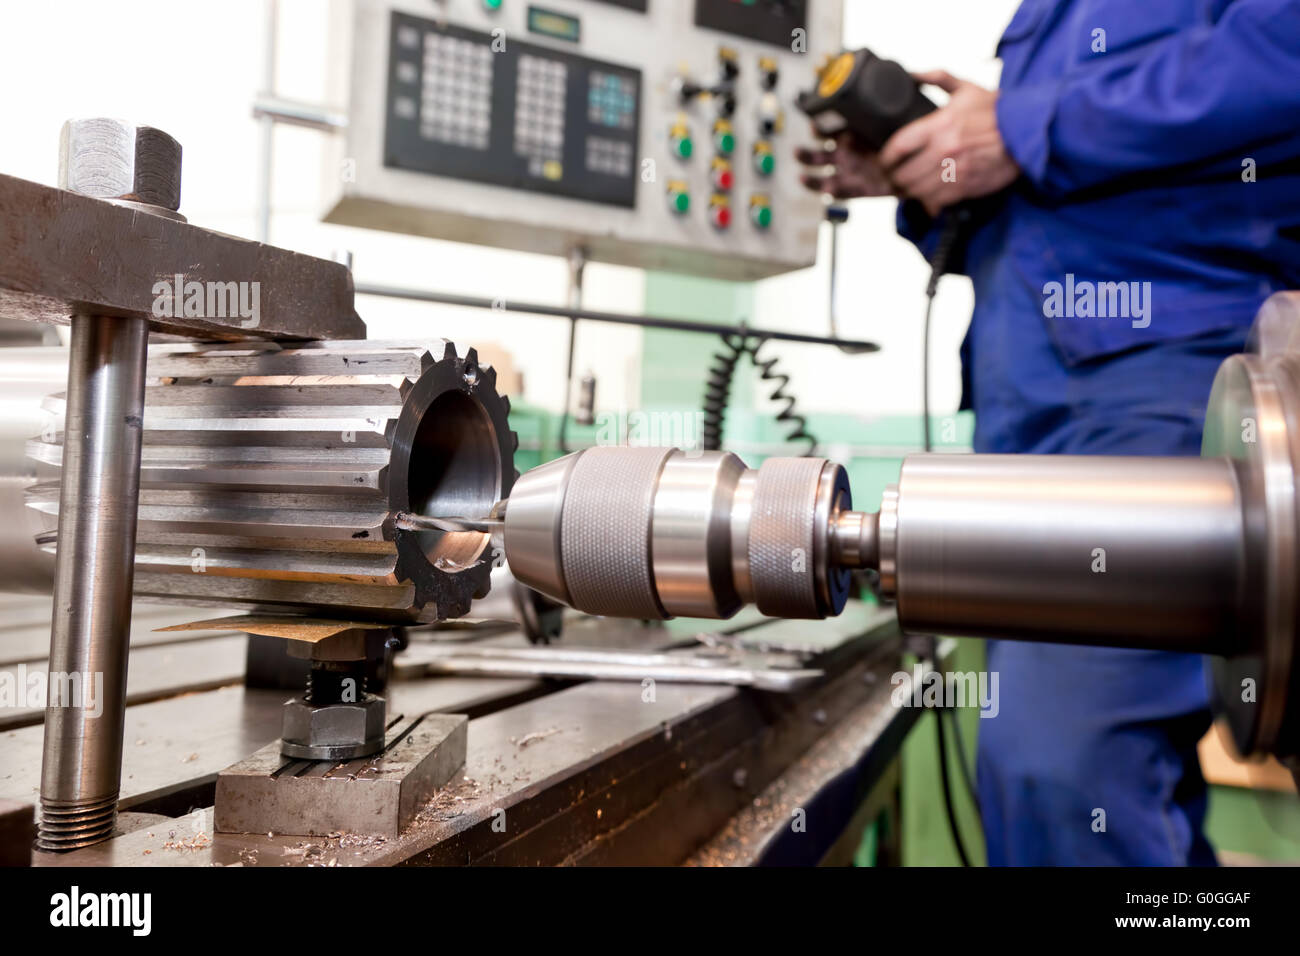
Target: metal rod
645	321
836	216
266	135
278	109
94	570
577	265
517	662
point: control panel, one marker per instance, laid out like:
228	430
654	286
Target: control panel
569	125
650	132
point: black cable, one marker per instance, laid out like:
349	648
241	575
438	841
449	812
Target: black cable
949	235
965	764
947	791
767	372
717	391
943	248
925	373
939	258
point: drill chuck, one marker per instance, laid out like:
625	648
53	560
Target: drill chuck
659	532
1191	555
1140	552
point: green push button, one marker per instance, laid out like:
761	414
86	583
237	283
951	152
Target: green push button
680	201
765	163
726	143
762	216
683	147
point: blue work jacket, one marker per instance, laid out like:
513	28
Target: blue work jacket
1159	206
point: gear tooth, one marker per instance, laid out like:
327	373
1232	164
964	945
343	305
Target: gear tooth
514	443
449	351
471	357
490	374
505	403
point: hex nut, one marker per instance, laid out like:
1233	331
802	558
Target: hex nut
113	159
334	725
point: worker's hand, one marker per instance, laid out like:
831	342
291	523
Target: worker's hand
952	154
842	168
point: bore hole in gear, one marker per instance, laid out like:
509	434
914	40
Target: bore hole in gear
455	472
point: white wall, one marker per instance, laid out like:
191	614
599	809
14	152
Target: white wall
193	68
882	277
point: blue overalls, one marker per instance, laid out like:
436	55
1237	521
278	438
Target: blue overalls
1160	144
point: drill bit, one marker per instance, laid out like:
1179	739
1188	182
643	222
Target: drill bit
412	522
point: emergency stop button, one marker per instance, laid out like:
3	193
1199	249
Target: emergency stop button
723	176
720	212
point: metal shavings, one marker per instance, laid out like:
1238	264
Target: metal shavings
349	840
200	841
532	738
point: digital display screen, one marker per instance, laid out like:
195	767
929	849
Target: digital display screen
531	117
769	21
548	23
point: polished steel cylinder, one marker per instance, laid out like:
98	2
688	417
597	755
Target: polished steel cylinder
82	764
690	535
1128	552
658	532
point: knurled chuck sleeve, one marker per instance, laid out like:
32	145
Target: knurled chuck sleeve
659	532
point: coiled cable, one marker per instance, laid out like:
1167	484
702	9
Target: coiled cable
717	391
